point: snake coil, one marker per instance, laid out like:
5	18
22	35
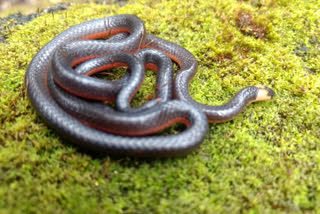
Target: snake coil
60	87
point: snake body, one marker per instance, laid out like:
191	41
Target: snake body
60	87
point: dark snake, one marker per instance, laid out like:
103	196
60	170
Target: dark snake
62	90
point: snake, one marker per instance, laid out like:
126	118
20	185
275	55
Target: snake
61	86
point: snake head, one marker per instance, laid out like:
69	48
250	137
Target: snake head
264	93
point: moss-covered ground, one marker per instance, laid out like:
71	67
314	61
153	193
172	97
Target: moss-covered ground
267	160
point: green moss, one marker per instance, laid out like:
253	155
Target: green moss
267	160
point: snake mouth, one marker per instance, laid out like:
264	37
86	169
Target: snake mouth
264	93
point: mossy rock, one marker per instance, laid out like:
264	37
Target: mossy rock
267	160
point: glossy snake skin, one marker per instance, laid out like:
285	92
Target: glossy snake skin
60	87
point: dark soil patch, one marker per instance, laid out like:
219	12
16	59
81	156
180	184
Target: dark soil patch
19	18
247	26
